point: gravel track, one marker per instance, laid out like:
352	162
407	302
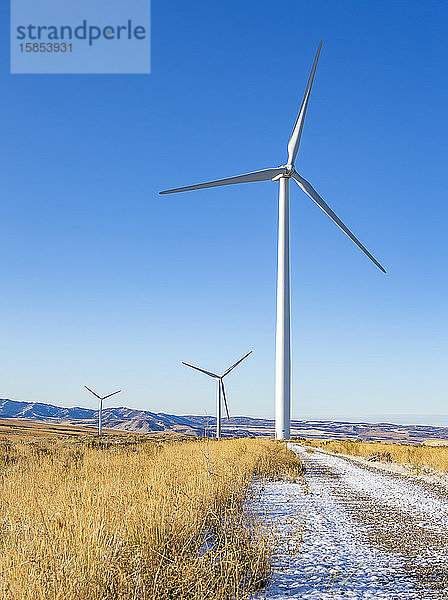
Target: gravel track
353	531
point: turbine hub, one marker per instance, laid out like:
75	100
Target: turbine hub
288	172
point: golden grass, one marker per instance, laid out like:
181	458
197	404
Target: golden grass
129	519
418	457
24	429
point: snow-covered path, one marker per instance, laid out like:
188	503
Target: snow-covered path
351	531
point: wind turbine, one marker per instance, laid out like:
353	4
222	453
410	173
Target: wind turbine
283	174
221	390
100	412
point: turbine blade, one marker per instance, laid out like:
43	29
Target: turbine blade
311	192
294	142
236	364
201	370
92	392
225	398
263	175
113	394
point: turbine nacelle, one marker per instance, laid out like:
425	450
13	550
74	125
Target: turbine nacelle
287	171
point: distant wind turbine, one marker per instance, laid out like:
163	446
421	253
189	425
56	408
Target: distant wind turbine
221	389
283	174
100	412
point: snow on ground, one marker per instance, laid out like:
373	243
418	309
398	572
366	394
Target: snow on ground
392	492
323	552
425	474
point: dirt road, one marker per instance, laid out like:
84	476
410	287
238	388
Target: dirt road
354	531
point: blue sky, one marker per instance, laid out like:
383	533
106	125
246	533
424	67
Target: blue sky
106	283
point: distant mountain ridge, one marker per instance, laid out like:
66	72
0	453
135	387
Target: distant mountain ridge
127	419
38	410
143	421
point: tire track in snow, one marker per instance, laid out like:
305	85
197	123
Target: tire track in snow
354	532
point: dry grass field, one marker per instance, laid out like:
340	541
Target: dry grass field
419	457
133	517
23	429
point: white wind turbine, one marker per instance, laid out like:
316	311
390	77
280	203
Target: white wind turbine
283	174
100	412
221	395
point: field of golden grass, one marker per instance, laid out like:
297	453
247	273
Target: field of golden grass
127	517
24	429
418	457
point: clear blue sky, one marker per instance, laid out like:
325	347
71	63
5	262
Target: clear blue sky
106	283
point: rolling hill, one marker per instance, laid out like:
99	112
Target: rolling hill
142	421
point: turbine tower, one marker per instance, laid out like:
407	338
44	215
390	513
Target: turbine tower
282	175
221	394
100	412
